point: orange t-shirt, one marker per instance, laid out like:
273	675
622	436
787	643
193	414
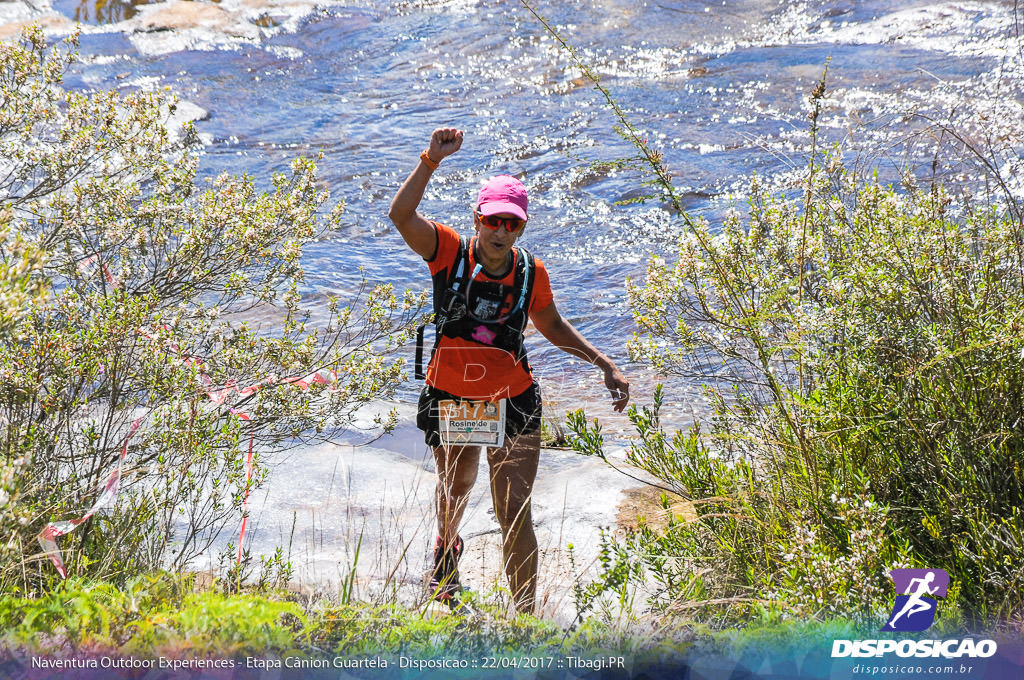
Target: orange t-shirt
466	368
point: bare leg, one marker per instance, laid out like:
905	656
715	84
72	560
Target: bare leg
456	474
513	469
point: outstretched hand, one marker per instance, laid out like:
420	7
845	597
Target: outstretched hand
444	142
618	386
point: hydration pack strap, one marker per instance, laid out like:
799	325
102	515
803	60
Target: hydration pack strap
418	372
455	276
526	281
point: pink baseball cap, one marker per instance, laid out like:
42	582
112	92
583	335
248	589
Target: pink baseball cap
503	194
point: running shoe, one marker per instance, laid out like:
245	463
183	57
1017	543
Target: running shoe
444	579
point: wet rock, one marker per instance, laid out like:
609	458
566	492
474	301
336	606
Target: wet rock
184	15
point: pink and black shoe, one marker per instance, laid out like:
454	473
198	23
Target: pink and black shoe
444	579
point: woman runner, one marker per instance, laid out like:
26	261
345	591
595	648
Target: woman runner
484	289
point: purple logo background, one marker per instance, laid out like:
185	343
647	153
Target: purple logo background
902	578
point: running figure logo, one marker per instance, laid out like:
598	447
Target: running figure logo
914	610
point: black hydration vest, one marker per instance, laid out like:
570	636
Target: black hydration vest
483	312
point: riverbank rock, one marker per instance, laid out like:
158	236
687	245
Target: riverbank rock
185	15
368	511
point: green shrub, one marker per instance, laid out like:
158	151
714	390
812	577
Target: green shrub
143	293
863	356
861	350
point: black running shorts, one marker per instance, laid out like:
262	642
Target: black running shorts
522	413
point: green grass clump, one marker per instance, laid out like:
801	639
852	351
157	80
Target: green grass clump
151	613
166	615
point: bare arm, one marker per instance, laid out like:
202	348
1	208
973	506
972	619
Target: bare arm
417	231
565	337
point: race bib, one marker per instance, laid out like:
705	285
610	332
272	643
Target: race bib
472	422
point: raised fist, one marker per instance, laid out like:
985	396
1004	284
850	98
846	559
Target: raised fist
444	142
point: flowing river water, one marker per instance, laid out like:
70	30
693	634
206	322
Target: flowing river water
720	87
